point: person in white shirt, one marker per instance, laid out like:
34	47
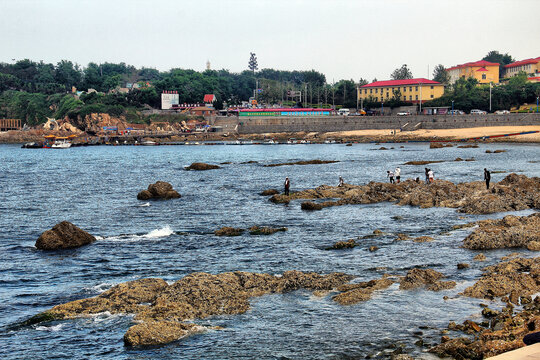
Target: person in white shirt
430	175
390	175
397	173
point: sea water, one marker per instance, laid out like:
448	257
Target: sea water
96	187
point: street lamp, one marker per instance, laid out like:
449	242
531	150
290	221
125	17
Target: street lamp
382	108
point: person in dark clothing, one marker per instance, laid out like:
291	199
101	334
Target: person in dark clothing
287	185
427	175
487	177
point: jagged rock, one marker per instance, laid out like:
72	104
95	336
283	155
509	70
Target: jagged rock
349	244
517	275
201	166
269	192
256	230
159	190
515	192
461	266
304	162
63	235
229	231
480	257
508	232
152	333
425	277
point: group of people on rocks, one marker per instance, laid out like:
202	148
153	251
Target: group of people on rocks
395	178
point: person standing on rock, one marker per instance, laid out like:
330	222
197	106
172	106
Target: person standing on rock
397	174
390	175
287	186
341	182
430	175
427	175
487	177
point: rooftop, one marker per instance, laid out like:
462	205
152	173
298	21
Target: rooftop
418	81
481	63
523	62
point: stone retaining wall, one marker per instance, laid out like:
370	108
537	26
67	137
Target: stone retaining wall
256	125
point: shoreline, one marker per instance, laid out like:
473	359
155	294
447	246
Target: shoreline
474	134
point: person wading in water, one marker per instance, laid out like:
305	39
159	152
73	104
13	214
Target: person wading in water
487	177
287	185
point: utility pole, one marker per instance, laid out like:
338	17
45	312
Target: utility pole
305	96
357	97
490	97
421	97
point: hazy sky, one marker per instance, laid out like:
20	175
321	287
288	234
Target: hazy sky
349	39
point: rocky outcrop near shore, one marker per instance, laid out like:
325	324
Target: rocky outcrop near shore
304	162
64	235
425	277
354	293
160	190
508	232
161	309
514	192
201	166
516	277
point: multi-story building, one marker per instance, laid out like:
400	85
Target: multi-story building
484	71
410	90
529	66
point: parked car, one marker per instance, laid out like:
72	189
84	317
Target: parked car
477	112
344	112
403	113
502	112
456	112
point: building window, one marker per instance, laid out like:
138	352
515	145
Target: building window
410	97
404	89
376	91
404	98
483	76
387	95
416	89
431	87
365	91
432	96
410	88
370	91
376	98
416	97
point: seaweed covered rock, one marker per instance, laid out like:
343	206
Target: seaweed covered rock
159	190
229	231
425	277
354	293
349	244
64	235
264	230
152	333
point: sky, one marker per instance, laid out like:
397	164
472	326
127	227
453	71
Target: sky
343	39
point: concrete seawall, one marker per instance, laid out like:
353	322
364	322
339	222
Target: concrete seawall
252	125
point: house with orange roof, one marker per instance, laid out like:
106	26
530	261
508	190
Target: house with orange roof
484	71
529	66
409	90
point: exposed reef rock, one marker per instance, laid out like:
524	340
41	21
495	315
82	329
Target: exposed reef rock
63	235
264	230
425	277
354	293
269	192
159	190
201	166
514	192
519	275
229	231
304	162
160	309
508	232
349	244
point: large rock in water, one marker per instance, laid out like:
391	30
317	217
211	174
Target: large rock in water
64	235
159	190
201	166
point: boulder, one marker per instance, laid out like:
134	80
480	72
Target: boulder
201	166
64	235
269	192
152	333
310	206
349	244
462	266
160	190
435	145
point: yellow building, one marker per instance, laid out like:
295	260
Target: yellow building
529	66
410	90
483	71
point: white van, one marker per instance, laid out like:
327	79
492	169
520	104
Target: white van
477	112
344	112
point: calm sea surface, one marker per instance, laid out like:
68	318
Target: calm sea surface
96	187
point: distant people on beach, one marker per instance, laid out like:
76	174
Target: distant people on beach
487	177
417	179
341	182
430	175
397	174
427	175
390	175
287	186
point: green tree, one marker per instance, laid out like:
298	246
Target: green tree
497	57
440	74
401	73
252	64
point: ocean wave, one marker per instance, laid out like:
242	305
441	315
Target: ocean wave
154	234
144	205
50	328
157	233
100	288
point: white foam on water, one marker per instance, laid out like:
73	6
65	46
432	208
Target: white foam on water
157	233
144	205
50	328
99	237
100	288
105	316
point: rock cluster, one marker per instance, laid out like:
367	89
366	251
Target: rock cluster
516	277
508	232
354	293
425	277
514	192
63	235
160	190
201	166
160	309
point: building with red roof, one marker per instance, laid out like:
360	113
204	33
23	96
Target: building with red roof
529	66
410	90
484	71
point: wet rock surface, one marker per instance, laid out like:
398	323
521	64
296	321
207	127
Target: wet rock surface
269	192
201	166
514	192
64	235
508	232
304	162
348	244
229	231
160	309
354	293
425	277
265	230
159	190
